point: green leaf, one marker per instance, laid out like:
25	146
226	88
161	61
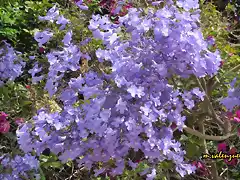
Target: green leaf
25	103
43	158
56	164
184	138
69	163
191	149
164	178
42	174
4	91
166	165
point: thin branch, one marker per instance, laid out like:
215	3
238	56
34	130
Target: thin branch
146	3
235	45
213	113
214	171
236	30
204	84
207	137
223	171
202	130
226	73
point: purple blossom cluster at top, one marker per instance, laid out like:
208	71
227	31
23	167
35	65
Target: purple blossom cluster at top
20	166
10	64
63	60
140	102
52	16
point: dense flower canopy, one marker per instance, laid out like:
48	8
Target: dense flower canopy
20	167
133	107
10	64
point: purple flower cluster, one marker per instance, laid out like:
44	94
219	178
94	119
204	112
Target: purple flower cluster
65	59
20	166
233	98
10	64
133	107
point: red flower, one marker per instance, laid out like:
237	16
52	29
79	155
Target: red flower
233	150
129	5
222	147
28	86
233	161
111	5
137	161
102	2
229	115
201	168
41	50
3	116
4	126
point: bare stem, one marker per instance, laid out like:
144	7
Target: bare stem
207	137
202	130
213	113
214	171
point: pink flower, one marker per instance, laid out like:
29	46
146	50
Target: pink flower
3	116
222	147
238	113
201	168
4	126
19	121
28	86
236	119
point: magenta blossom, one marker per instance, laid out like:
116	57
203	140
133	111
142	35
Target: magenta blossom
3	116
4	126
222	147
238	113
